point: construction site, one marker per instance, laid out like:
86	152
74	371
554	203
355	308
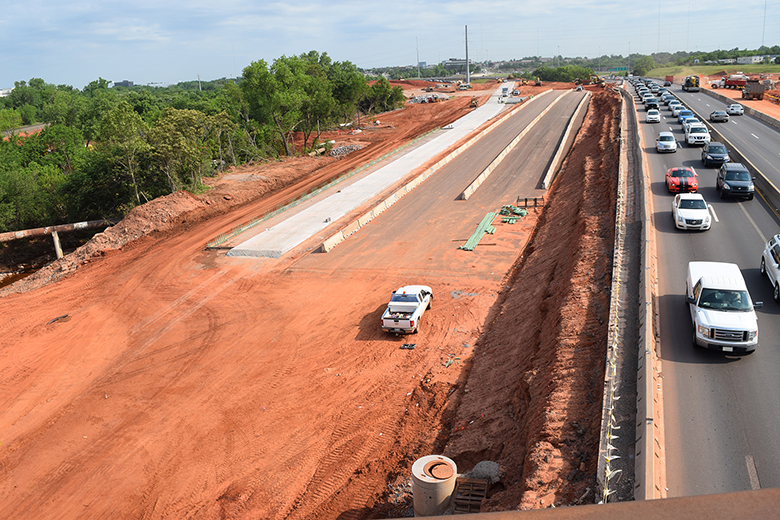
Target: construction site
149	373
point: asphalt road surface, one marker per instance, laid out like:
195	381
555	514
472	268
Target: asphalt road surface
722	412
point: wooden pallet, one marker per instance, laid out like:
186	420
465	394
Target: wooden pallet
469	494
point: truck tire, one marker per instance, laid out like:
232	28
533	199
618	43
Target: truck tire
776	293
762	268
693	338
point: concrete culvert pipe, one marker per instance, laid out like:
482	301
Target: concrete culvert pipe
433	484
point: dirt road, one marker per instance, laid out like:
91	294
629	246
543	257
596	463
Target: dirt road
163	380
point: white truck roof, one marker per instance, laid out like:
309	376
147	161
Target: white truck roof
717	275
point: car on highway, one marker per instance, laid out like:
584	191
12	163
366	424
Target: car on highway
690	211
714	153
735	110
734	180
666	98
689	122
665	142
676	109
770	265
697	133
651	104
667	83
682	115
681	179
646	97
719	116
653	116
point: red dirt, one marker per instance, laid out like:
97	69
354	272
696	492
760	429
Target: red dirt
162	380
767	105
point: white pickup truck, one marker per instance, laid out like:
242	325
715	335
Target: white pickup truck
406	309
723	315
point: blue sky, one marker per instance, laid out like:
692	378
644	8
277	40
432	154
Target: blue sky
164	42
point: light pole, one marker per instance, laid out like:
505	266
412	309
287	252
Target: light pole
599	58
628	70
559	55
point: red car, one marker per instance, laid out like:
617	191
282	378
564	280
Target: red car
681	180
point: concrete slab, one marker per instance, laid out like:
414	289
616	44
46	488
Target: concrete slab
281	238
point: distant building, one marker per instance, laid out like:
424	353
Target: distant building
747	60
124	83
5	92
726	61
422	64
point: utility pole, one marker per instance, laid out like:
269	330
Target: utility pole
468	72
628	70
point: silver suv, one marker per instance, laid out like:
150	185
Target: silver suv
770	264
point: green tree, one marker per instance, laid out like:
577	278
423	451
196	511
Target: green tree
9	119
182	142
275	96
643	65
123	139
381	97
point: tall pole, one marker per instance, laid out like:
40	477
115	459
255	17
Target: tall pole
628	71
468	72
417	42
764	31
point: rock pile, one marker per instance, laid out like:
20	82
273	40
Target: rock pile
340	151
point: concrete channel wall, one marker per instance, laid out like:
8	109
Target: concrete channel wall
476	183
339	236
566	141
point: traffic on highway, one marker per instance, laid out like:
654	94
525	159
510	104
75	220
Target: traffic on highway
720	408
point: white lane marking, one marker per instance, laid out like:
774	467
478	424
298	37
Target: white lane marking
752	222
754	135
712	211
751	467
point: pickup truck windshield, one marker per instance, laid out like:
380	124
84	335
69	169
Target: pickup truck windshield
724	300
404	298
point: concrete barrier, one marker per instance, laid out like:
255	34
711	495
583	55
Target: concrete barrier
768	120
565	146
650	457
476	183
329	243
765	187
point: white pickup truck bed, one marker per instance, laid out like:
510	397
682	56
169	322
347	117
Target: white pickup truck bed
406	308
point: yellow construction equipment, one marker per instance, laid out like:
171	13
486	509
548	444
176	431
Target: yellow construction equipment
474	102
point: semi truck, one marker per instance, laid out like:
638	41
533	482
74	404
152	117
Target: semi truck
722	313
691	83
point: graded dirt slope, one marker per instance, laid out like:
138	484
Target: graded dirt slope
162	380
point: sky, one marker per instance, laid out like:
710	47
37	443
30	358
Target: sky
163	42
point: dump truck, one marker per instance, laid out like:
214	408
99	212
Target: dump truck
753	90
691	83
733	81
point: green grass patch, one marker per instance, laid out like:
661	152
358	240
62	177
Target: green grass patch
707	70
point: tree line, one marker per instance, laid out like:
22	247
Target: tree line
104	150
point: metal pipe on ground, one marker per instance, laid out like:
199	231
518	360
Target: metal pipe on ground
27	233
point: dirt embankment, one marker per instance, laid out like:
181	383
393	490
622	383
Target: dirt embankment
533	398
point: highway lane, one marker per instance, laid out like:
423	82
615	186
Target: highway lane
721	412
756	140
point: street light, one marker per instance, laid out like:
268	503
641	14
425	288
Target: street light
628	70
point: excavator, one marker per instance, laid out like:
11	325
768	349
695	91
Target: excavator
595	79
474	103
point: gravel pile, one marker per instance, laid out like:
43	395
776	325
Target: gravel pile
340	151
